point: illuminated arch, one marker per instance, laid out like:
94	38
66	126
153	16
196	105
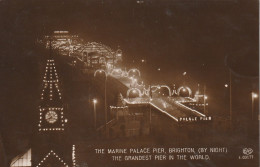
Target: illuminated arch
134	89
184	87
161	86
100	71
134	70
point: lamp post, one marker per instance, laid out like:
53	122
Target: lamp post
103	71
205	98
254	96
95	113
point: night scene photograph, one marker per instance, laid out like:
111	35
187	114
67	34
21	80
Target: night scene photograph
129	83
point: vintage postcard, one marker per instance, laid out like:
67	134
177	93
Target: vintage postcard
129	83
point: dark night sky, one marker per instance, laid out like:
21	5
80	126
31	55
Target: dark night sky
175	35
178	35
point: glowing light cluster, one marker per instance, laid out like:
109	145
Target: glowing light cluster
51	129
50	80
254	95
51	87
95	101
114	107
53	154
136	102
146	92
58	109
61	32
100	71
133	70
118	72
157	87
198	104
73	155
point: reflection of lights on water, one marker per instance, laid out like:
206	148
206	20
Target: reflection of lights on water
94	101
159	69
226	85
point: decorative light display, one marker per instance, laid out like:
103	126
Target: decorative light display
134	90
194	119
117	72
134	70
146	92
159	87
190	119
100	71
50	94
80	48
73	156
52	153
184	89
115	107
50	81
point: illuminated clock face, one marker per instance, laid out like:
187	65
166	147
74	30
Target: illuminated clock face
51	117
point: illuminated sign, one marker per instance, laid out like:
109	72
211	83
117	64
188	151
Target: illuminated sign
194	119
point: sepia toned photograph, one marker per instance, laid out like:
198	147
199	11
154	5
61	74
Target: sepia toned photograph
129	83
